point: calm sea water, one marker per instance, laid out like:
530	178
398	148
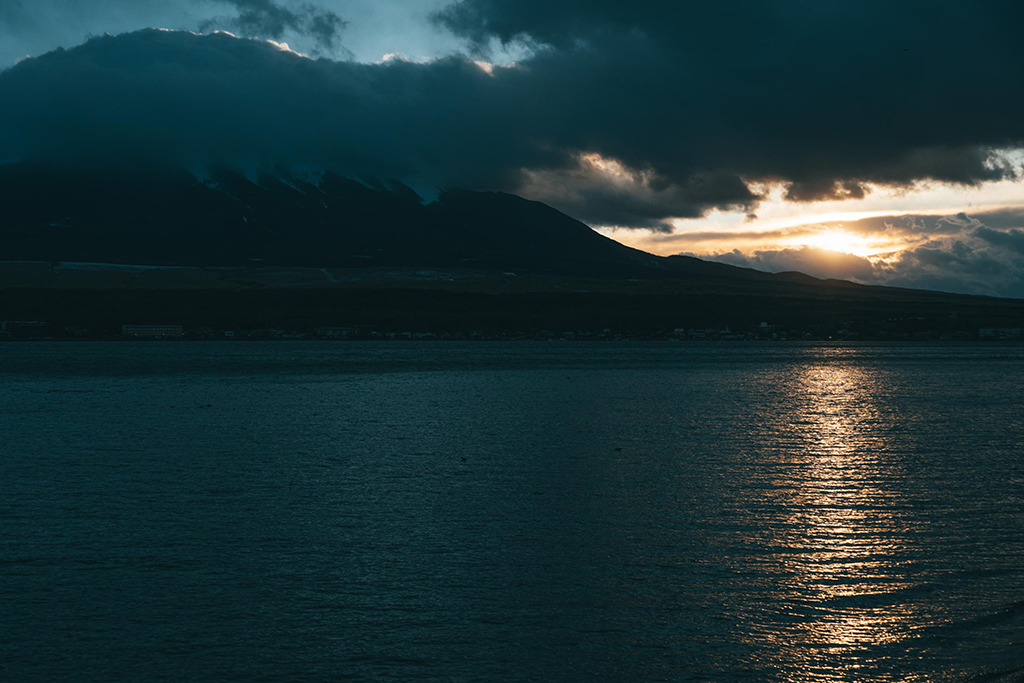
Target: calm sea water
488	511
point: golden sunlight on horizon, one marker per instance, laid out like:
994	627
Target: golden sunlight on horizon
838	240
780	224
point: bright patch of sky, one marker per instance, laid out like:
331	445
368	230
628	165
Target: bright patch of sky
774	216
375	27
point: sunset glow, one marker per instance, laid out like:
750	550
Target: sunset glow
839	240
512	340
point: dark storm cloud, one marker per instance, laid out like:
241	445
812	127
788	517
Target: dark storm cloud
1004	218
176	96
827	96
819	189
1012	239
271	19
620	197
621	114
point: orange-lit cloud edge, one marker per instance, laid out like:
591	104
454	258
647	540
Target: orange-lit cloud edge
782	224
832	226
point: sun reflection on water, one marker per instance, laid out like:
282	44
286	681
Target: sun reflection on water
842	537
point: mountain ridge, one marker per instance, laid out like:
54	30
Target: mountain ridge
281	251
169	216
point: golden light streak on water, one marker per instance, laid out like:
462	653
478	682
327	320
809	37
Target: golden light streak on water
843	534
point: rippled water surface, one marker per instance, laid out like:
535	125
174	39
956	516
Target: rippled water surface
488	511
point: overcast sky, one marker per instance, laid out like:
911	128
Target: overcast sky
773	127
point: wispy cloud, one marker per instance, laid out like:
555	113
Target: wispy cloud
271	19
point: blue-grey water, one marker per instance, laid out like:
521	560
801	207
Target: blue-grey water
503	512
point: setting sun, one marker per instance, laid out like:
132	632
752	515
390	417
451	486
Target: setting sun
838	240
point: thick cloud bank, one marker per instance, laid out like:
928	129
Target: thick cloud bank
829	96
623	114
194	99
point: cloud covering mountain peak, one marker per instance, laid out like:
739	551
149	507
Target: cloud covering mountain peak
622	114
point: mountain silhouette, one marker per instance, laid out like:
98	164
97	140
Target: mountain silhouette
261	248
170	217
